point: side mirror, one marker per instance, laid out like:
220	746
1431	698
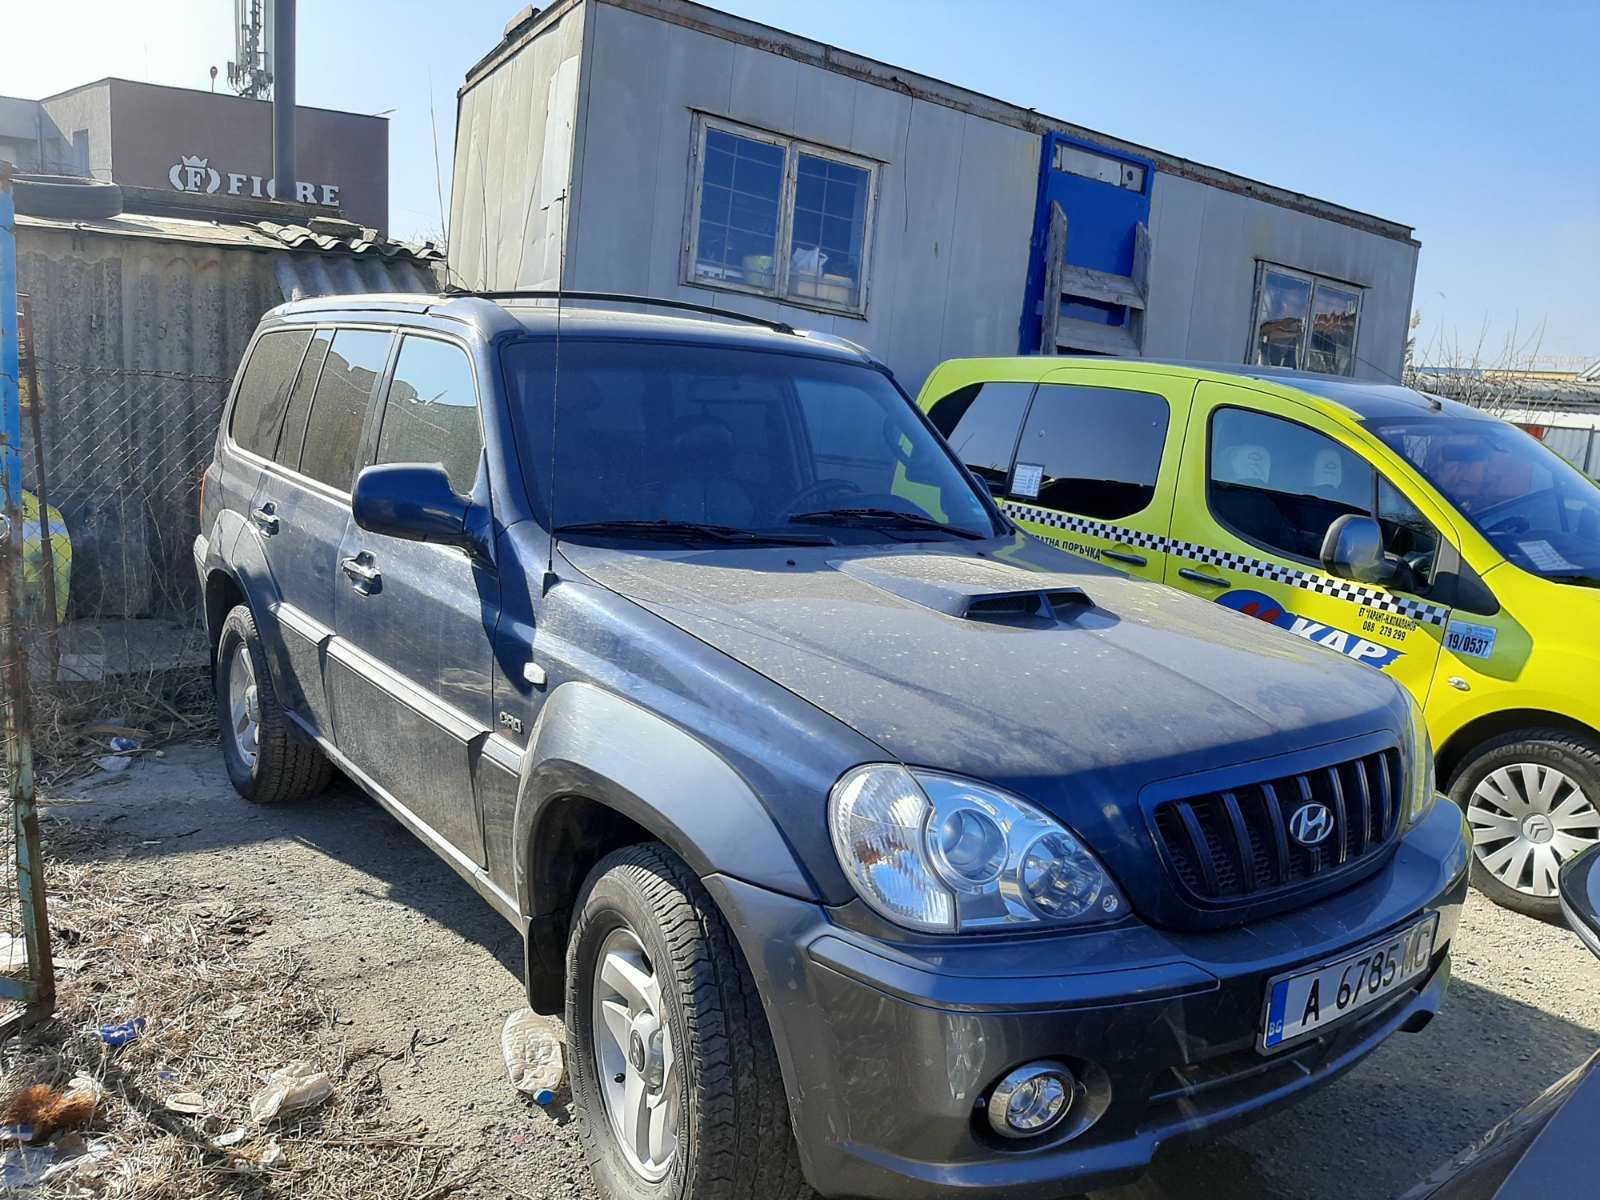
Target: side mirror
413	501
1353	549
1579	887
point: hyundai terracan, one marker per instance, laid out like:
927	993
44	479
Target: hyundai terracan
867	843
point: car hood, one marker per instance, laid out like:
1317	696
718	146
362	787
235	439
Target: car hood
919	647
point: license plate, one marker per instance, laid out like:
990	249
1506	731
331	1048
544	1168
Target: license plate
1304	1002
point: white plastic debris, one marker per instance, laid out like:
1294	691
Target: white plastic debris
232	1138
535	1050
188	1103
297	1086
113	762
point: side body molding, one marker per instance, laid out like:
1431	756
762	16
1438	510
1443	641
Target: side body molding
594	744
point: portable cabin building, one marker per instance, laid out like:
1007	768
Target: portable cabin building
667	148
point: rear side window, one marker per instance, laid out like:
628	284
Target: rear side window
294	416
1098	449
432	413
339	407
980	422
1280	484
264	389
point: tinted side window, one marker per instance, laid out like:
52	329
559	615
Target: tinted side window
980	422
1280	484
258	409
333	433
432	413
1100	448
1406	531
294	416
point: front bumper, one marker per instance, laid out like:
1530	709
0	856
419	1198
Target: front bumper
889	1050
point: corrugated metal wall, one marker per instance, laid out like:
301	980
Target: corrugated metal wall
137	340
514	138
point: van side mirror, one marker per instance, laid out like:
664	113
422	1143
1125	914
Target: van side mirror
1353	549
1579	887
413	501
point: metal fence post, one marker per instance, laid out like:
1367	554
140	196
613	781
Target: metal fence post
37	989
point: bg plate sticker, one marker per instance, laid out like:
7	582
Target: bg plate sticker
1264	608
1470	641
1026	479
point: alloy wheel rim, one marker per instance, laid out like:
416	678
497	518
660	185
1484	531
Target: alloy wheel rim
244	707
1527	819
634	1056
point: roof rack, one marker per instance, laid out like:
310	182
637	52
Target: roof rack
625	298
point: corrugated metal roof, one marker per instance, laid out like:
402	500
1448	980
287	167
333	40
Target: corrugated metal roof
325	258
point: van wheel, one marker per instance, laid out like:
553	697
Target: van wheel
269	760
675	1079
1531	798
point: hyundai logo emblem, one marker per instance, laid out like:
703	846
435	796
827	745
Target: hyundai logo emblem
1311	824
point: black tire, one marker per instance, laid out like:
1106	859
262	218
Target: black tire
288	765
735	1141
65	196
1575	755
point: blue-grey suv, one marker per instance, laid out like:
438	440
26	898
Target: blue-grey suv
868	844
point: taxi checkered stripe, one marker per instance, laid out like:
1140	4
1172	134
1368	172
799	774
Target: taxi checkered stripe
1322	585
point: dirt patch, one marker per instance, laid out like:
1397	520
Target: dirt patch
395	954
174	972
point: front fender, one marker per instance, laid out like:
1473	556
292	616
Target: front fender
594	744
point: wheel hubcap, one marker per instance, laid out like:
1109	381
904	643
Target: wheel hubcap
1527	819
244	706
634	1056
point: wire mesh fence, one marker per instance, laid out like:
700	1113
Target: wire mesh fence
108	603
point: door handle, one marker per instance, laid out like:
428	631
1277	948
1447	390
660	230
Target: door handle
265	517
1122	556
1201	578
364	577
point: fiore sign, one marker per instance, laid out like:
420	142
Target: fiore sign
194	174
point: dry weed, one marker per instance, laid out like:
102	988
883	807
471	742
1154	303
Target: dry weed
221	1013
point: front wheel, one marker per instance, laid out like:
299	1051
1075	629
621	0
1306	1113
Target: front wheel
1531	798
673	1071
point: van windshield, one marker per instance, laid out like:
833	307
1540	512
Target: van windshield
1533	506
674	442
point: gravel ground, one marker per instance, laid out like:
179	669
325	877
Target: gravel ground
416	963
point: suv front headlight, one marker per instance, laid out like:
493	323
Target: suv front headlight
942	854
1421	776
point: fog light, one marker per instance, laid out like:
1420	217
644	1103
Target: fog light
1032	1100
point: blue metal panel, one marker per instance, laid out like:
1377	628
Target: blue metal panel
1101	219
10	398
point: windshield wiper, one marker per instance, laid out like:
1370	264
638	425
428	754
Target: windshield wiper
1577	580
882	517
694	531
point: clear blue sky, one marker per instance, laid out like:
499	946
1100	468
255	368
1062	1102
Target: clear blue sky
1475	123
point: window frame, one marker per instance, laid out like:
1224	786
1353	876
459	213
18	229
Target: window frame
294	474
783	250
1379	476
368	455
1263	266
232	419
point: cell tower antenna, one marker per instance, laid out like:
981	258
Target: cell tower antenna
250	71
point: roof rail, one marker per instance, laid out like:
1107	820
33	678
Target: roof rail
623	298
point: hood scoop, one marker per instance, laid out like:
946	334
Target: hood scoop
971	589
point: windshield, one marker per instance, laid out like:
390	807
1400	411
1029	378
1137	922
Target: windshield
1535	508
676	440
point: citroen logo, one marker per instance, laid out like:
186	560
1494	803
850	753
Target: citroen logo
1311	824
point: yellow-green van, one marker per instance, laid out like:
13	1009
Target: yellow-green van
1416	535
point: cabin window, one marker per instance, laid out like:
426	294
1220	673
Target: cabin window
1304	321
779	217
